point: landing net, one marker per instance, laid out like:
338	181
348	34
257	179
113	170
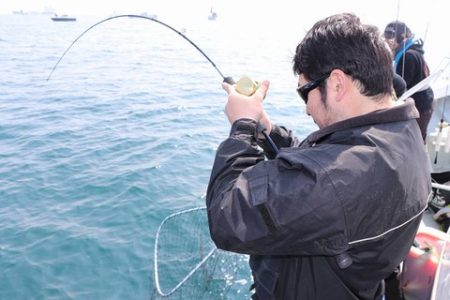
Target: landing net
187	265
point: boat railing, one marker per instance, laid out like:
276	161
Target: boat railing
440	186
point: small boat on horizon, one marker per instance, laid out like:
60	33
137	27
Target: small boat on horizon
212	15
63	18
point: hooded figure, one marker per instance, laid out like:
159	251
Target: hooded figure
410	64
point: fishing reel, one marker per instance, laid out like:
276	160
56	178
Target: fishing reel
247	87
244	86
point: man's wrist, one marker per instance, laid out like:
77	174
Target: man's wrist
244	126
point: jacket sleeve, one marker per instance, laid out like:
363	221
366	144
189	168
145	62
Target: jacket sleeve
274	207
281	136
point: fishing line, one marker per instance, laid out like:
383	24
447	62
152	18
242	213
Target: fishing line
396	39
398	9
225	79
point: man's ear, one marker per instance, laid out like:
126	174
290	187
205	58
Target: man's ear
338	84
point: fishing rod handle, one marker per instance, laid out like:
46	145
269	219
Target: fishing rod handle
229	80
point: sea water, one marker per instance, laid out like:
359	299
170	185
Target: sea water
123	134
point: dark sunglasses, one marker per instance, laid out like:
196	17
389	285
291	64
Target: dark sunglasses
304	90
389	33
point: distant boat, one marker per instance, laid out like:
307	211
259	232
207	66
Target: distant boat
63	18
212	15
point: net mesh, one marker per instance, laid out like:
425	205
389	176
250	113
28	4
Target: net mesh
189	266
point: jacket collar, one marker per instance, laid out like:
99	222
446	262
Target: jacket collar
401	112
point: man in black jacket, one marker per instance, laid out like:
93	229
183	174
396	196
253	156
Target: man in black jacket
410	64
332	216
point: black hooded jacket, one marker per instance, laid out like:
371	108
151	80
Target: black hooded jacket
353	191
413	68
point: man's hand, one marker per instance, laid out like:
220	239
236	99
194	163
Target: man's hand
240	106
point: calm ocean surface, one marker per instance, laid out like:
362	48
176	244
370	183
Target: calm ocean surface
121	136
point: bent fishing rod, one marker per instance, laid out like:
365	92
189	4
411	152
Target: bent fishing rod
227	79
